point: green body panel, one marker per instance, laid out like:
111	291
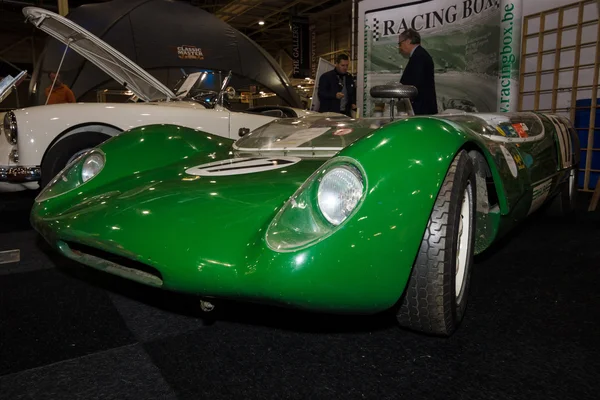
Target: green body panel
541	165
206	235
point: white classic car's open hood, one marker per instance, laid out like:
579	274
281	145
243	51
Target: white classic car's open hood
115	64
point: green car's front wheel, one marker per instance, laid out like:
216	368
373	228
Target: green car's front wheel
436	295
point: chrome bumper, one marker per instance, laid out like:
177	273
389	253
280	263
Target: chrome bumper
18	174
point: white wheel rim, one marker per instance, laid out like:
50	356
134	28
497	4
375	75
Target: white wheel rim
572	184
463	242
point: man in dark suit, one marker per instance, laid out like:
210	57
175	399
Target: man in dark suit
418	72
337	90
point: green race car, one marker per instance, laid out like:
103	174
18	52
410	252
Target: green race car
333	214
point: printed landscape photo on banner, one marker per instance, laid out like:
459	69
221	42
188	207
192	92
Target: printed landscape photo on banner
475	46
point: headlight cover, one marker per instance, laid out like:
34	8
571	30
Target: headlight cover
79	171
327	199
92	165
9	125
339	192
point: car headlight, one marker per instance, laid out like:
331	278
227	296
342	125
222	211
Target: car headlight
79	171
339	192
321	205
92	165
9	125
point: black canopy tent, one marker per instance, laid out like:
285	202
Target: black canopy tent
163	37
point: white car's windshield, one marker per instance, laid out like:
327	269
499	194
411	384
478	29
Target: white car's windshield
8	83
203	87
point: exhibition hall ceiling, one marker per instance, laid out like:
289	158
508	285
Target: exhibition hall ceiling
244	15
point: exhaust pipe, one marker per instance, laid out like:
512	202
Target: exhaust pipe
206	306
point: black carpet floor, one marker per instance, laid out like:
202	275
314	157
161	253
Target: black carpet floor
532	331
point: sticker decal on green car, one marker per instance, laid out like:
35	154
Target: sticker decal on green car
239	166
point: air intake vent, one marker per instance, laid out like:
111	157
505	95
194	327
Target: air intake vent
115	264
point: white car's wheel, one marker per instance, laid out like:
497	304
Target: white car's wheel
66	150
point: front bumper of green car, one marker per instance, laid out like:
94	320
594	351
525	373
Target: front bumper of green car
315	278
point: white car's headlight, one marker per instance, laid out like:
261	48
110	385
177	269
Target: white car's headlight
9	125
340	190
92	165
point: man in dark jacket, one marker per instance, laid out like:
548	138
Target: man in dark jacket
337	91
418	72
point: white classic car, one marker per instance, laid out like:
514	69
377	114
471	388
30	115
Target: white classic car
37	142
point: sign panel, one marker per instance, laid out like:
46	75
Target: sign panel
314	60
475	46
188	52
300	48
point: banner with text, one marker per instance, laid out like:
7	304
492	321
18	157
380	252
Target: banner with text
475	46
314	60
301	50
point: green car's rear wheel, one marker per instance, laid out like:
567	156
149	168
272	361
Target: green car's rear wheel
436	295
565	202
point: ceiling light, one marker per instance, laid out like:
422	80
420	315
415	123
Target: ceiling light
261	22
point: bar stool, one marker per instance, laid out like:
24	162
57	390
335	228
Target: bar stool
595	197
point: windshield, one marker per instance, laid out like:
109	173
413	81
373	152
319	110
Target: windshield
204	87
309	136
505	127
9	83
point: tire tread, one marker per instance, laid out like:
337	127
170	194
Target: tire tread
427	305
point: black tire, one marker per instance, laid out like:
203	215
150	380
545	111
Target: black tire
430	304
57	157
565	202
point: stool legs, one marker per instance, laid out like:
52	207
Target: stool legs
595	197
